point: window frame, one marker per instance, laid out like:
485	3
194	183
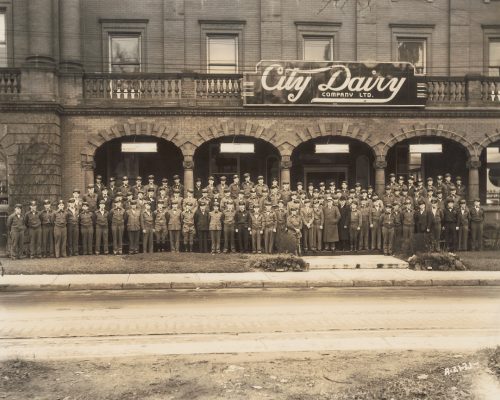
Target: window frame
413	40
6	10
210	37
222	28
123	27
319	29
413	32
311	38
490	32
111	36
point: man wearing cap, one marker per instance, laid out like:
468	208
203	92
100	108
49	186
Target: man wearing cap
188	227
211	188
430	184
160	226
151	185
234	188
300	189
285	192
105	196
15	229
202	223
355	222
453	194
275	195
420	191
73	228
34	225
398	227
125	187
446	184
98	185
163	197
174	225
190	201
436	212
411	186
101	217
423	226
307	215
60	230
461	189
112	188
463	225
242	220
78	199
392	180
91	198
176	198
247	185
47	219
364	233
133	223
387	223
222	186
408	218
388	197
151	198
215	227
198	189
310	190
148	227
476	226
261	186
228	219
439	183
281	216
294	226
317	227
178	185
205	199
86	220
117	217
226	198
269	224
138	187
256	229
331	215
450	224
343	223
376	211
164	185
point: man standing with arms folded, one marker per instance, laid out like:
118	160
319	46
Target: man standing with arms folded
34	224
60	230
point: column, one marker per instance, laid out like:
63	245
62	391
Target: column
70	35
88	170
188	165
380	165
40	34
473	164
285	165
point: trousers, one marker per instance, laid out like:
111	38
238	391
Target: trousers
229	242
73	234
476	235
147	240
243	239
376	236
60	235
87	239
133	237
35	235
175	240
256	240
117	234
47	240
388	239
203	241
101	235
215	238
317	238
268	240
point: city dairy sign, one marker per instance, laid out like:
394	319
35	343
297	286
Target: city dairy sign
333	83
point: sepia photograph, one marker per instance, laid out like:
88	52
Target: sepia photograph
250	199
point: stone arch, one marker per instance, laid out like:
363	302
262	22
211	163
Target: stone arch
247	129
490	138
160	131
420	131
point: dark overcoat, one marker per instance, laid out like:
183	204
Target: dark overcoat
331	228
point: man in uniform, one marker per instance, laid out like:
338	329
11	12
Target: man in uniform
294	225
73	228
90	198
148	228
198	190
392	180
101	218
247	184
112	188
355	222
343	223
60	230
388	197
211	188
437	219
107	199
133	221
228	219
15	229
269	224
86	221
47	219
450	224
423	226
307	215
138	186
376	211
463	225
260	186
117	217
125	188
461	189
447	184
285	192
160	228
151	185
408	223
364	209
387	223
34	225
202	221
151	197
317	227
163	197
188	226
215	227
234	188
166	187
174	225
476	225
275	195
78	199
256	229
242	220
222	186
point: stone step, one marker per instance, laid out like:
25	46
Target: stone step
371	261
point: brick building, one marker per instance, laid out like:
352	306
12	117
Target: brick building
79	78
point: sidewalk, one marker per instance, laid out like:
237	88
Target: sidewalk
311	279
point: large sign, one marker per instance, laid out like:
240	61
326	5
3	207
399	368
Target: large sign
333	84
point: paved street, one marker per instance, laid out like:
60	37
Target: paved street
86	323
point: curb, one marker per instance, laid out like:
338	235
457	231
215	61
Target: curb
293	284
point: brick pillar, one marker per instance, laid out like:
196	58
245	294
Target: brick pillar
188	166
41	41
380	165
473	164
285	165
70	36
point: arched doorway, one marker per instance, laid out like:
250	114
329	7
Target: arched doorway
111	160
352	161
445	156
489	174
210	160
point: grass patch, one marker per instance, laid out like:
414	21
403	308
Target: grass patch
481	260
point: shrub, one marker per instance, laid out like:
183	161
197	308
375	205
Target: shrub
439	261
282	262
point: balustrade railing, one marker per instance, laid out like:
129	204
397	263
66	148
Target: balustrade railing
218	86
446	89
10	81
132	86
490	90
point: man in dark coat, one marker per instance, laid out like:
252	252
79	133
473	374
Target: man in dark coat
345	213
201	220
331	216
423	225
450	224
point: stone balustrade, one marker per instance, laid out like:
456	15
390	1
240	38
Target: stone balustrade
445	90
490	90
218	86
10	81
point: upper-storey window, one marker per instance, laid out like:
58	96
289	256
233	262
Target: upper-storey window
318	48
3	40
222	54
494	57
413	50
125	52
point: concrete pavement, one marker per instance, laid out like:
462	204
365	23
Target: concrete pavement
312	278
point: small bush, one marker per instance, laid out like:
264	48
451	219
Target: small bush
279	263
439	261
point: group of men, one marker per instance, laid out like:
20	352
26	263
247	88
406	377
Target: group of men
246	216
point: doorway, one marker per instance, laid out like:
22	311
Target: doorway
327	174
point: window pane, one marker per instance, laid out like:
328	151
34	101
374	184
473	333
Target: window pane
222	50
412	51
493	173
3	28
125	68
222	69
125	50
3	55
494	55
318	49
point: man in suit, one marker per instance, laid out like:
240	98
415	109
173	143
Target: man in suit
463	225
202	219
476	225
423	225
450	224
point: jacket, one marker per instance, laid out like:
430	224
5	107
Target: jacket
133	218
147	220
174	220
101	219
202	220
215	223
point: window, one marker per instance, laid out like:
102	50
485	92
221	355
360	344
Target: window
3	40
317	48
413	50
493	174
222	54
494	57
125	52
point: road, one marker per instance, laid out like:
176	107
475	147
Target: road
113	323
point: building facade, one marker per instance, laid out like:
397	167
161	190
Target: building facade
79	78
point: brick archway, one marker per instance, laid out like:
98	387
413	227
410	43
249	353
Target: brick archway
438	131
490	138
